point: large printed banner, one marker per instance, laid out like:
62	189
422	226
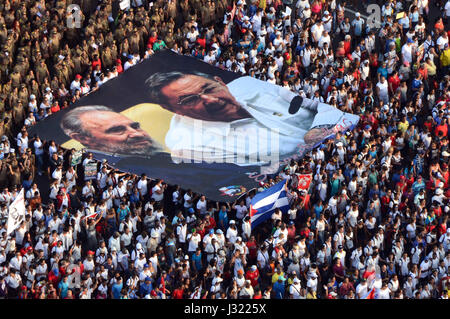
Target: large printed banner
189	123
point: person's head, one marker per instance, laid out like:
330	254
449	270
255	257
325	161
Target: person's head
194	94
99	127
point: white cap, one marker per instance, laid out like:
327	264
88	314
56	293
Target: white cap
326	12
439	191
32	96
239	238
357	14
339	144
232	222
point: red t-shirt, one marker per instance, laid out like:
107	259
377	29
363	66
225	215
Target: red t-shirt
395	82
316	8
177	294
55	109
151	41
252	249
441	128
253	277
202	42
424	72
95	63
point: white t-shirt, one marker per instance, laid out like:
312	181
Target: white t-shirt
157	197
201	206
241	211
193	242
186	199
407	53
317	31
383	88
142	187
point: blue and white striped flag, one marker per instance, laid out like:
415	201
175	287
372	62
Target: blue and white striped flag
264	203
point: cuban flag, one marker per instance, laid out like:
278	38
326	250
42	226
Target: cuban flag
263	204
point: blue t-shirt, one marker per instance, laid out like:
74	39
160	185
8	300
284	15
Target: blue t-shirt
64	287
116	289
416	83
358	24
278	289
123	213
145	289
383	72
223	218
318	209
197	261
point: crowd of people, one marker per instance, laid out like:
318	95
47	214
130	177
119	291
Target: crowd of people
374	220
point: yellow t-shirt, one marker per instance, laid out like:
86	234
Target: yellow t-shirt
275	277
403	126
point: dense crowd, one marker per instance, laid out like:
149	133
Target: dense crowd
376	216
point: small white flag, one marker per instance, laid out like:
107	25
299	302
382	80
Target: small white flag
16	213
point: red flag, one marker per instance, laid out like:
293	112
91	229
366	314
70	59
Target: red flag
163	285
304	181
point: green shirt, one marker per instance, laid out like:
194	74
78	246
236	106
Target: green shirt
158	46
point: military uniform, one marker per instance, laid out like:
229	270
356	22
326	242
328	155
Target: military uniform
15	78
172	9
134	42
41	72
18	115
106	57
55	42
34	89
169	39
119	34
23	94
3	34
185	9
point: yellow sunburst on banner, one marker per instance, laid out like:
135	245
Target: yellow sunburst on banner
153	119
